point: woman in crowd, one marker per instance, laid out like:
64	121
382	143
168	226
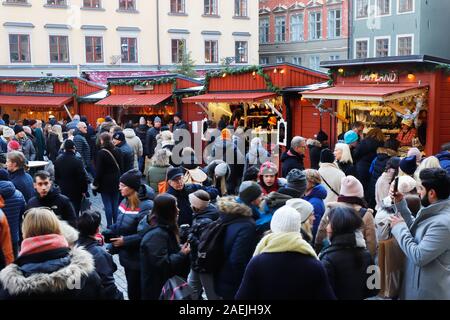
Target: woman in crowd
157	171
315	194
54	141
344	159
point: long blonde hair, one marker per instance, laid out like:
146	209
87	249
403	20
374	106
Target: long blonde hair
57	129
39	222
428	163
346	154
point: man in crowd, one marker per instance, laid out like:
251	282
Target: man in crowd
120	142
150	138
81	144
293	158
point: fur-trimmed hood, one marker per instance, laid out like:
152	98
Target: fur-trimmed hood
389	152
313	143
229	206
16	283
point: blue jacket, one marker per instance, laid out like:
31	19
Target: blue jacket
3	145
444	160
239	243
128	156
23	182
13	209
316	197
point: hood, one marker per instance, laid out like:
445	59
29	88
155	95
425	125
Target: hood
313	143
229	206
210	212
7	189
13	279
276	199
318	191
328	165
87	242
129	133
444	155
146	192
389	152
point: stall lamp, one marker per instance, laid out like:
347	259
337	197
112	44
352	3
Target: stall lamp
282	71
411	76
275	70
254	74
31	112
340	70
224	75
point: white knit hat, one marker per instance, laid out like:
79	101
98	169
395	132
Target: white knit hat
286	219
406	184
351	187
8	132
221	170
302	206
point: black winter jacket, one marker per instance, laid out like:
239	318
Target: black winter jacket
291	160
71	176
128	156
107	173
53	146
150	141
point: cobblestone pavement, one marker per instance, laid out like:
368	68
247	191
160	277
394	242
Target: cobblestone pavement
119	275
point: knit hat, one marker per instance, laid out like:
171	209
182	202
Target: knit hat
407	122
69	145
350	137
286	219
302	206
100	120
119	136
108	119
4	176
296	179
196	202
415	152
268	168
351	187
408	165
18	129
132	179
174	173
321	136
13	145
406	184
221	170
177	114
32	122
8	132
157	119
326	156
142	121
249	191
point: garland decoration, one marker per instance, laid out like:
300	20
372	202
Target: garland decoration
48	80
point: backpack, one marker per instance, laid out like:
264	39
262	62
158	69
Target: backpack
163	186
211	254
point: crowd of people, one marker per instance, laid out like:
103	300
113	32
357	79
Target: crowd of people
225	227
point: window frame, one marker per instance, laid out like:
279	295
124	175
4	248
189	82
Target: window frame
375	45
410	35
241	5
92	37
283	34
406	12
58	45
265	59
215	55
179	56
128	54
367	40
310	64
212	4
92	7
331	32
315	23
64	4
266	28
177	4
356	10
280	59
297	57
126	6
236	51
19	35
377	9
301	27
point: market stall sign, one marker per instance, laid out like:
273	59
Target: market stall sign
34	88
148	87
391	77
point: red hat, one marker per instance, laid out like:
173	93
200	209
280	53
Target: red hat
13	145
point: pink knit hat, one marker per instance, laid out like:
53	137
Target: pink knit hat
351	187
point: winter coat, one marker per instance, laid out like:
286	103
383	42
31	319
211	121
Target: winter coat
127	156
161	259
127	226
291	160
107	173
59	203
46	275
315	148
136	145
444	160
185	215
333	177
239	242
378	167
150	141
368	228
53	146
3	145
364	154
180	125
346	266
274	201
104	266
71	176
141	131
425	240
316	197
6	249
382	187
156	174
23	182
13	209
82	147
40	143
28	148
348	168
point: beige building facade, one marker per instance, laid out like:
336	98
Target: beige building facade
67	37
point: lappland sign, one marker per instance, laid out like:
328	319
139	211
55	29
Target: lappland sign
390	77
34	88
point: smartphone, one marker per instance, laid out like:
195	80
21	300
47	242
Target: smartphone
396	185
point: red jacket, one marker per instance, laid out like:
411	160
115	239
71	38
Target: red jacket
5	241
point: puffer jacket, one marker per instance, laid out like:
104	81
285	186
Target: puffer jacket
82	147
444	160
14	208
135	143
28	148
23	182
128	156
291	160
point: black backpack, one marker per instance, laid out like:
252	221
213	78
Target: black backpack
211	254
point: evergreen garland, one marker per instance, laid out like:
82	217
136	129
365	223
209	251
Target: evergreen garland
49	80
140	82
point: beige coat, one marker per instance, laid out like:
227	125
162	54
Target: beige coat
333	176
135	144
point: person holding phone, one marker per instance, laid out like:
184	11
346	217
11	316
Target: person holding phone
425	240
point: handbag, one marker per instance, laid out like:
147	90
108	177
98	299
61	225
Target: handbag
176	288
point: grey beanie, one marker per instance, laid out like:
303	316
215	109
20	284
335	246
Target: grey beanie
157	119
296	179
249	191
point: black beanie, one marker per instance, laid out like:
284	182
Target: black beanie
132	179
322	136
326	156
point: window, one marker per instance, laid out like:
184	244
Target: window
264	30
94	49
315	25
241	51
383	7
178	50
297	60
92	4
211	7
405	6
264	60
297	27
314	62
19	48
211	51
362	9
127	5
280	59
334	57
177	6
240	8
128	48
404	45
280	29
56	2
59	49
382	47
361	49
334	24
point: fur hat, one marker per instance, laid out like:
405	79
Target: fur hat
409	165
286	219
302	206
321	136
249	191
351	187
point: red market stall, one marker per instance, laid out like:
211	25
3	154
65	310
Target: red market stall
383	92
131	98
264	99
39	98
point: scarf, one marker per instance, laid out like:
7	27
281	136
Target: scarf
284	242
353	200
43	243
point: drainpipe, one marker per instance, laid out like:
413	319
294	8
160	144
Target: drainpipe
157	35
350	30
